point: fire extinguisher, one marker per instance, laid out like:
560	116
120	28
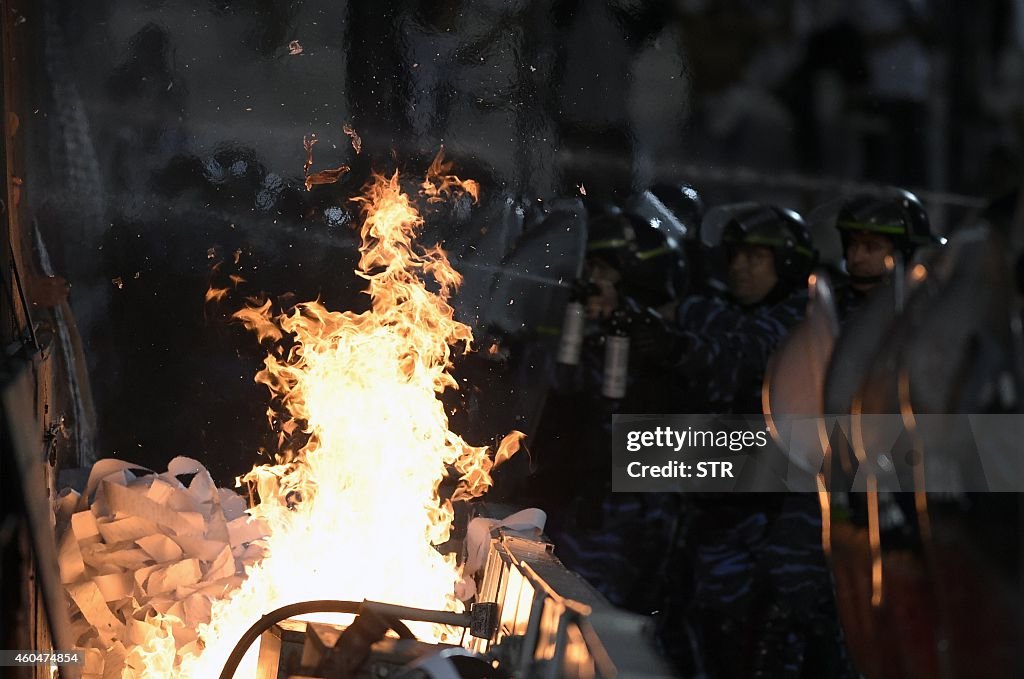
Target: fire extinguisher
616	355
573	324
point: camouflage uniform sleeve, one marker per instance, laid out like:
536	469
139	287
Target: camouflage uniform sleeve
727	348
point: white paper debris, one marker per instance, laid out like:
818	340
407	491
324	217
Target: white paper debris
197	609
183	573
231	503
142	575
160	547
217	525
105	560
80	627
195	521
67	504
69	557
83	525
184	465
126	502
182	501
159	491
246	529
202	487
140	631
254	552
114	586
126	530
93	663
143	558
220	588
101	470
115	661
89	599
478	539
223	567
201	548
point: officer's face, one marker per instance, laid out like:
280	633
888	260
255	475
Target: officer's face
752	273
865	256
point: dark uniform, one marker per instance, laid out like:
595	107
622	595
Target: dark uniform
848	300
761	601
726	348
899	216
617	542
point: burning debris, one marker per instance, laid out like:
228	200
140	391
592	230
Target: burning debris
357	142
143	556
323	176
354	514
216	294
441	184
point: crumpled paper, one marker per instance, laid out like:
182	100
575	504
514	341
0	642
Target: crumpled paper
142	554
478	539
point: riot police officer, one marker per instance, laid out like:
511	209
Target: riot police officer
634	262
875	231
679	210
721	345
761	601
880	235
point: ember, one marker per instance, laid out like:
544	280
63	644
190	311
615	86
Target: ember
323	176
357	142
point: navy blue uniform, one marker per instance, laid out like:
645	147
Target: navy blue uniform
848	300
725	349
762	602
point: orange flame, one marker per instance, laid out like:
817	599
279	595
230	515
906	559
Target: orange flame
363	387
216	294
508	447
441	185
357	142
257	319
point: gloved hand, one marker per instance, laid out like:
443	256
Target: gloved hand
653	342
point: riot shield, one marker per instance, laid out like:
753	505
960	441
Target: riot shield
519	262
794	382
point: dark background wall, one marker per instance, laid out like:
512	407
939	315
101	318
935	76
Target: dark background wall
166	153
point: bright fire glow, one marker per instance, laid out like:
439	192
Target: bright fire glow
364	388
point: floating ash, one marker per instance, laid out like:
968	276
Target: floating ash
143	556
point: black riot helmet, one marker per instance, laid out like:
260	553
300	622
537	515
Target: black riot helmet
898	215
677	207
782	230
677	210
650	259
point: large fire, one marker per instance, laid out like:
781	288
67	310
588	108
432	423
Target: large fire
355	513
